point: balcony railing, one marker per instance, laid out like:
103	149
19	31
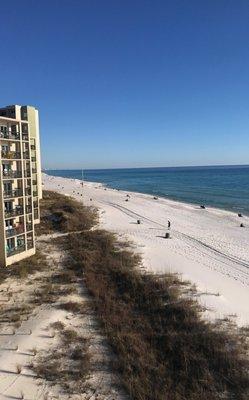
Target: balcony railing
15	250
13	193
14	231
10	135
14	213
29	227
7	174
11	155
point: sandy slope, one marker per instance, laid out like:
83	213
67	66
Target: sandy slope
207	247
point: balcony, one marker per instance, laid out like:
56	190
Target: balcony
28	209
26	155
10	135
15	250
25	136
36	214
10	174
14	231
33	159
28	192
14	213
13	193
33	147
29	227
27	173
11	155
34	170
35	194
35	204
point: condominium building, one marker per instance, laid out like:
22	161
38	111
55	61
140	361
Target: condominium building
20	182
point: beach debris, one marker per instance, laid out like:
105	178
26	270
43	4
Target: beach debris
155	198
139	221
126	199
128	195
202	206
167	235
240	215
242	225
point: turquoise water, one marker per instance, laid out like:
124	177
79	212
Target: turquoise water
222	187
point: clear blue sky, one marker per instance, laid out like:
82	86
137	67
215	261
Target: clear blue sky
131	83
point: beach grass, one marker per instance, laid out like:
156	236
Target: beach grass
61	213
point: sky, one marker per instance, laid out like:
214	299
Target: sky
132	83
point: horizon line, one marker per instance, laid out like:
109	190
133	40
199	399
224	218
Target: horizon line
177	166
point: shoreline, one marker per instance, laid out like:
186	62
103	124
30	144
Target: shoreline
207	247
234	210
160	197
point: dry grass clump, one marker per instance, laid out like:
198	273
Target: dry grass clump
69	364
47	294
57	325
164	349
64	214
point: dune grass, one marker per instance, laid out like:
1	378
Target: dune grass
63	214
164	349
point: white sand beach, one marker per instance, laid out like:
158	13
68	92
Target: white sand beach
207	246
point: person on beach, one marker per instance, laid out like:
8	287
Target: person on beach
169	224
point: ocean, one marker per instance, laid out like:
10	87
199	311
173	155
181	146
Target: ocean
225	187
